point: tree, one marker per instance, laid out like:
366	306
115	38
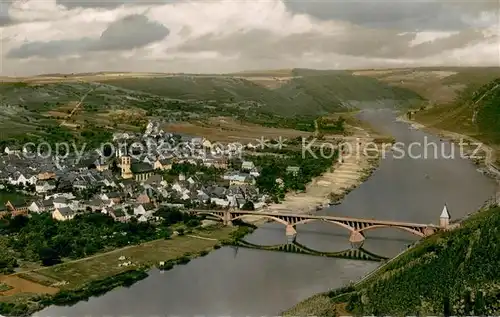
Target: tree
248	205
49	256
17	223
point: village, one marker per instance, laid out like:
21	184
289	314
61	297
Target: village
146	172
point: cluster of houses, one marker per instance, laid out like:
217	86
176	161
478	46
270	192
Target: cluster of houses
127	184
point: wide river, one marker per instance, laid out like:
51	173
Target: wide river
244	282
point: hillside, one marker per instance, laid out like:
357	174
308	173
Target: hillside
326	91
453	273
219	89
439	85
305	92
475	112
125	101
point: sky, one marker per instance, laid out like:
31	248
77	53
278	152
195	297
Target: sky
217	36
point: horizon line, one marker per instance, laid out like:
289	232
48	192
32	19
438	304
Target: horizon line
242	72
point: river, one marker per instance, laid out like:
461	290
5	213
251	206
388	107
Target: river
244	282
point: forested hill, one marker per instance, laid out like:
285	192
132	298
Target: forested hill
454	273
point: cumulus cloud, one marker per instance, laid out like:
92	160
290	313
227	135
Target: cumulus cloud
357	41
407	15
133	31
226	35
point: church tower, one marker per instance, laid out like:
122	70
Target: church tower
125	165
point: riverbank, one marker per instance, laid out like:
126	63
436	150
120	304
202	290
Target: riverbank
334	184
69	282
481	154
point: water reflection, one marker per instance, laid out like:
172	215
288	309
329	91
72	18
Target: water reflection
353	253
325	237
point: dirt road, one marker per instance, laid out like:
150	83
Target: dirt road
77	106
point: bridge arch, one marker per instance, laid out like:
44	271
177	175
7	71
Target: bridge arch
325	220
412	231
208	213
276	219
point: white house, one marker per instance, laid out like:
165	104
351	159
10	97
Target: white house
63	195
45	186
220	202
139	210
255	172
20	179
145	217
11	150
61	202
247	165
41	206
239	178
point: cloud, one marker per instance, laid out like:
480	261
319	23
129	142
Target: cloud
356	41
133	31
405	15
50	49
108	4
5	18
224	35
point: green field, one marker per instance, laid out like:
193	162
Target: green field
76	273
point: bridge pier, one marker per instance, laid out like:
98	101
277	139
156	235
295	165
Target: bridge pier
291	233
357	239
429	231
227	218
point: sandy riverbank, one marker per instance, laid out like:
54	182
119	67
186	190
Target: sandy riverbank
340	180
343	178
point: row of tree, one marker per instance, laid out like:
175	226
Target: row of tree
41	238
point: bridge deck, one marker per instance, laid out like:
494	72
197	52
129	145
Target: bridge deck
331	218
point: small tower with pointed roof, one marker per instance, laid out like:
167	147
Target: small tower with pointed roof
444	219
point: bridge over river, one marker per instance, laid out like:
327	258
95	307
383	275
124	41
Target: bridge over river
355	226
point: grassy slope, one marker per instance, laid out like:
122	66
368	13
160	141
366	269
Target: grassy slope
457	116
454	271
24	108
324	91
220	89
439	85
309	92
